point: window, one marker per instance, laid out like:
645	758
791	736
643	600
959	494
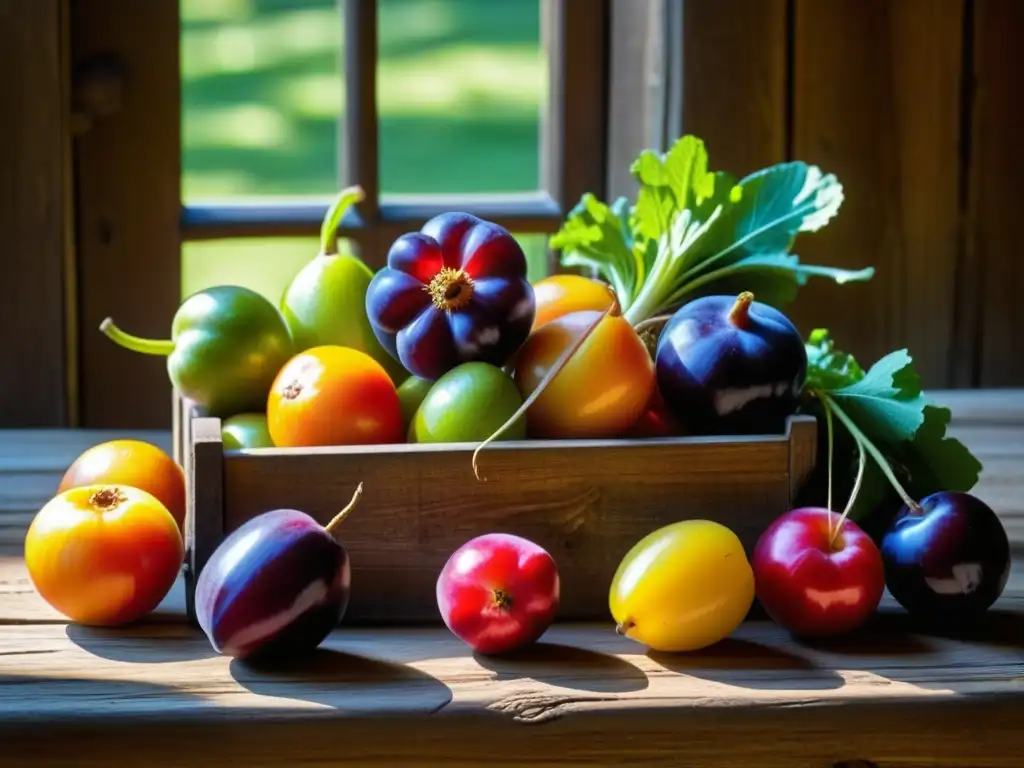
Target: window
429	105
444	104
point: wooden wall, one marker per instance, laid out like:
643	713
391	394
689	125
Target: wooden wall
37	285
912	104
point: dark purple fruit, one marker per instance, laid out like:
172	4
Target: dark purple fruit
275	587
730	365
947	561
455	292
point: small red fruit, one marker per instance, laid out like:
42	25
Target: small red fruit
498	593
812	583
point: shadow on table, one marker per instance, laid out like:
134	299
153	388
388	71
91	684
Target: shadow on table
344	681
998	628
748	664
142	643
567	667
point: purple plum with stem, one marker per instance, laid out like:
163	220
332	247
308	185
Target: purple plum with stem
730	365
276	586
947	559
452	293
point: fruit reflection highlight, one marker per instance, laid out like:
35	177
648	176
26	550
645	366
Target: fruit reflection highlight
103	555
683	587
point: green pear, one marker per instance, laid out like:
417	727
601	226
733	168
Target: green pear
325	303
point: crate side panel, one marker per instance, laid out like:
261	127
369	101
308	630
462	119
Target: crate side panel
587	506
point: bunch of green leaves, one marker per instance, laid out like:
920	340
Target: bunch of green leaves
885	411
693	231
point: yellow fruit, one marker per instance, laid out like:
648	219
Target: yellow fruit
683	587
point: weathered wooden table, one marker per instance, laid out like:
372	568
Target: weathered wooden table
156	695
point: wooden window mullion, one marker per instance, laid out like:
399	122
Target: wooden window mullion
361	142
573	126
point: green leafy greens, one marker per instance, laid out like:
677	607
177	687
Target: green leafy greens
693	231
887	414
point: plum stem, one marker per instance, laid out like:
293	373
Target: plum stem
336	520
868	446
162	347
740	312
329	229
624	626
862	460
548	378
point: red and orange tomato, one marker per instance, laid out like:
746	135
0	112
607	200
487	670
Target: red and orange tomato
134	463
603	388
559	295
333	395
103	555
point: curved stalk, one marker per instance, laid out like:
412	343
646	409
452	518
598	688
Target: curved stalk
868	446
161	347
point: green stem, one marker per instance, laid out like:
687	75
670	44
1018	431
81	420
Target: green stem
861	464
868	446
162	347
329	229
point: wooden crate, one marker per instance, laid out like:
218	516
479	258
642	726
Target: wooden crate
586	501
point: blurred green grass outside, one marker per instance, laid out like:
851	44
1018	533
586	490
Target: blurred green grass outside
460	89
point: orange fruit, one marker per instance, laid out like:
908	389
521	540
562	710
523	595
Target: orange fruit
103	554
135	463
332	395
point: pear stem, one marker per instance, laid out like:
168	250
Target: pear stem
161	347
329	229
548	378
336	520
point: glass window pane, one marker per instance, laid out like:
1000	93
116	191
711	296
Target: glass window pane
265	264
261	97
460	84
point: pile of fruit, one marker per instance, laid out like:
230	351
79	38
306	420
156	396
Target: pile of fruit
680	332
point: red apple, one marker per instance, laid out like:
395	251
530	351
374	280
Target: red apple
813	584
498	592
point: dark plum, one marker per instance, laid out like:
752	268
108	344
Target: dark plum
730	365
276	586
455	292
947	560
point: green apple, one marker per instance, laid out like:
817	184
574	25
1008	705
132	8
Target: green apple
468	404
